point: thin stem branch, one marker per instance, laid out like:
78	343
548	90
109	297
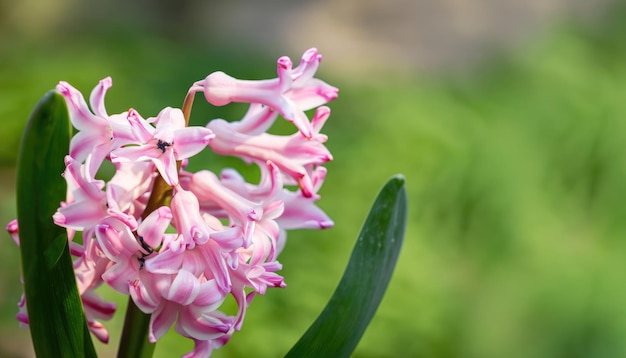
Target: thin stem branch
187	104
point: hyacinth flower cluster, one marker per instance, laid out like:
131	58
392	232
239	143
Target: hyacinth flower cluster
180	242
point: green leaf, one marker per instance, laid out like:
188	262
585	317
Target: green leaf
343	321
57	323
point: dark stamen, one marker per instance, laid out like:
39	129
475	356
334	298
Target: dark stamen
145	246
162	145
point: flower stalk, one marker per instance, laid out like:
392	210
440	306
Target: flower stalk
134	342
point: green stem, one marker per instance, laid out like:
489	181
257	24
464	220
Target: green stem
134	343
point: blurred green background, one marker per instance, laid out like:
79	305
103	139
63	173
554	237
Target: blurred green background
508	121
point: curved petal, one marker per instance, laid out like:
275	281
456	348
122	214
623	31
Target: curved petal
309	63
121	273
166	165
139	126
166	262
13	230
99	330
184	288
97	97
216	265
170	119
82	144
207	187
302	213
152	229
209	296
187	219
96	307
315	93
142	297
257	120
201	349
80	183
79	215
80	115
203	326
191	141
135	154
117	241
161	321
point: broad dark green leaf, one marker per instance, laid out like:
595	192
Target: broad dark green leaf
57	323
343	321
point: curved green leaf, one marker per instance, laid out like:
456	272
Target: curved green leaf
340	326
57	323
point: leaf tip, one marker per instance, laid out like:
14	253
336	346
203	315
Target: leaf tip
398	178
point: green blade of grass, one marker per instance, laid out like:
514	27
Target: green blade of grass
57	323
338	329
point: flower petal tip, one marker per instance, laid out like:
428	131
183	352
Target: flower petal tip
59	218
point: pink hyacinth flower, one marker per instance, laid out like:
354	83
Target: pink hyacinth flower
295	155
164	145
130	186
213	236
87	204
300	212
87	267
98	133
243	213
189	301
188	220
198	247
292	93
124	252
